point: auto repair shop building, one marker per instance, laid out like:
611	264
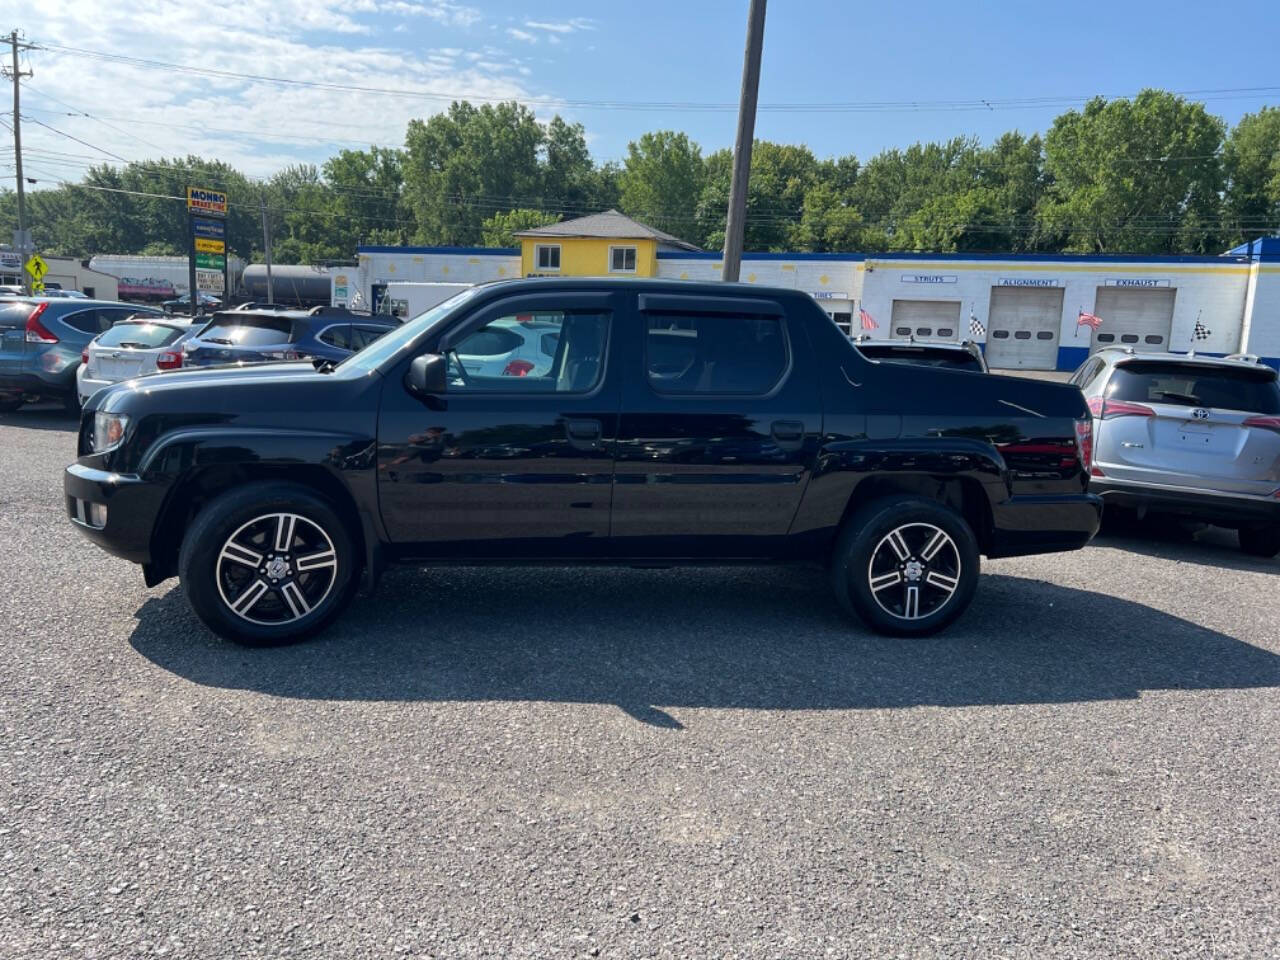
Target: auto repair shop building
1025	305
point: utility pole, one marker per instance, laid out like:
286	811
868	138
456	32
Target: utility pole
736	224
21	241
266	246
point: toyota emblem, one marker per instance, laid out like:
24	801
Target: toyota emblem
1200	413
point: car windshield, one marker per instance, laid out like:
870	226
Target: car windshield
923	356
139	335
246	331
1248	389
397	340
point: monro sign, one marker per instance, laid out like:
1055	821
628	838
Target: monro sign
206	201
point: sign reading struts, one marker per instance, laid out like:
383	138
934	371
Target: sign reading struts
207	249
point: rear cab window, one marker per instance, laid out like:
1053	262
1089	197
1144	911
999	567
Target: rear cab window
247	330
923	356
1250	390
715	353
139	336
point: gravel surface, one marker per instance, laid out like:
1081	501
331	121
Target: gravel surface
625	763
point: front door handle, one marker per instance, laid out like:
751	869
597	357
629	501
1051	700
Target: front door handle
787	431
583	434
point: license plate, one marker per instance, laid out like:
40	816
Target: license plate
119	369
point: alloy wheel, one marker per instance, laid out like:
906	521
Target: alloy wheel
276	569
914	571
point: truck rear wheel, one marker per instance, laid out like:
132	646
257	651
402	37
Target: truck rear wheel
905	566
268	564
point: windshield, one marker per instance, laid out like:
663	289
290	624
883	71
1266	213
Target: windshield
396	341
139	335
1251	390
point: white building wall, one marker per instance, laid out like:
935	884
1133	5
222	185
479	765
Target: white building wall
1215	292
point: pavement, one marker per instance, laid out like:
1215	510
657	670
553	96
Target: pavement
637	763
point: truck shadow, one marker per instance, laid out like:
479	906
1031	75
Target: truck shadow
1211	546
42	416
740	638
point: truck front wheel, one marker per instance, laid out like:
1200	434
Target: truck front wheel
268	563
905	566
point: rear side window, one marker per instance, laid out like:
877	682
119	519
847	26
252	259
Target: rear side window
142	336
715	353
361	337
247	331
1191	385
86	321
339	336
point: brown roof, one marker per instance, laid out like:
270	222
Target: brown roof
611	223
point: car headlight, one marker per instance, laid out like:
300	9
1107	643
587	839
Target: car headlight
108	430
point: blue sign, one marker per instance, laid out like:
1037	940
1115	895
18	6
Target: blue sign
214	229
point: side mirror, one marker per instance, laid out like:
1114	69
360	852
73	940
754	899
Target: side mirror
427	375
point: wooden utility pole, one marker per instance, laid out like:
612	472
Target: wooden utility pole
735	225
20	237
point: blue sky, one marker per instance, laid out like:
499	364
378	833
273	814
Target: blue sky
821	51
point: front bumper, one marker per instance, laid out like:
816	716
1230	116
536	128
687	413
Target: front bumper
1043	524
1221	509
132	505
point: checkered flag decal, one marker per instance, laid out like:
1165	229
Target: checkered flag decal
975	327
1201	332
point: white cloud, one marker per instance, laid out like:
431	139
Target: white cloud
523	35
562	26
257	126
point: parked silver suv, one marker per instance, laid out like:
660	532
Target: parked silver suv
1196	437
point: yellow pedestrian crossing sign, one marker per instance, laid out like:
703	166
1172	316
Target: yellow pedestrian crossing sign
36	267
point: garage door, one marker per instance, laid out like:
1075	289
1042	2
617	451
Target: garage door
926	319
1022	328
1140	319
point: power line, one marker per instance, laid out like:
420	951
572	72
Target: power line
989	103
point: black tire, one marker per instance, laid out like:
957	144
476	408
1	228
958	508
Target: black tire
863	548
10	402
1263	541
297	605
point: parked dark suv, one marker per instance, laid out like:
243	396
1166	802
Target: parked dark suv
260	334
41	339
676	423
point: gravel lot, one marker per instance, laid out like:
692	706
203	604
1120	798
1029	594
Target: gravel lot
623	763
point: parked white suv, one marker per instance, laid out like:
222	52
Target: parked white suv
130	348
1196	437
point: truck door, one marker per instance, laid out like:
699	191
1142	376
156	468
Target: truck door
720	425
516	458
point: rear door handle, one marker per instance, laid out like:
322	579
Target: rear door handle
583	434
787	431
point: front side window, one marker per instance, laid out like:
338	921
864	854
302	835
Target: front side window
547	352
547	256
622	259
715	353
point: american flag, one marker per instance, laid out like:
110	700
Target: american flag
1088	320
1201	332
975	326
867	322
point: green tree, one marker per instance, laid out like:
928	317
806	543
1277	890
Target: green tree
1251	163
781	175
463	165
1139	175
662	180
500	230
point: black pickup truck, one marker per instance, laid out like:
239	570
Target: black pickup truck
637	422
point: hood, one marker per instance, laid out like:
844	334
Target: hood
175	383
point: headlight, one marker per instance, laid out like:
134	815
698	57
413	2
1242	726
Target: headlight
108	430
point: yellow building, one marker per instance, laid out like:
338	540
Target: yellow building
601	245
